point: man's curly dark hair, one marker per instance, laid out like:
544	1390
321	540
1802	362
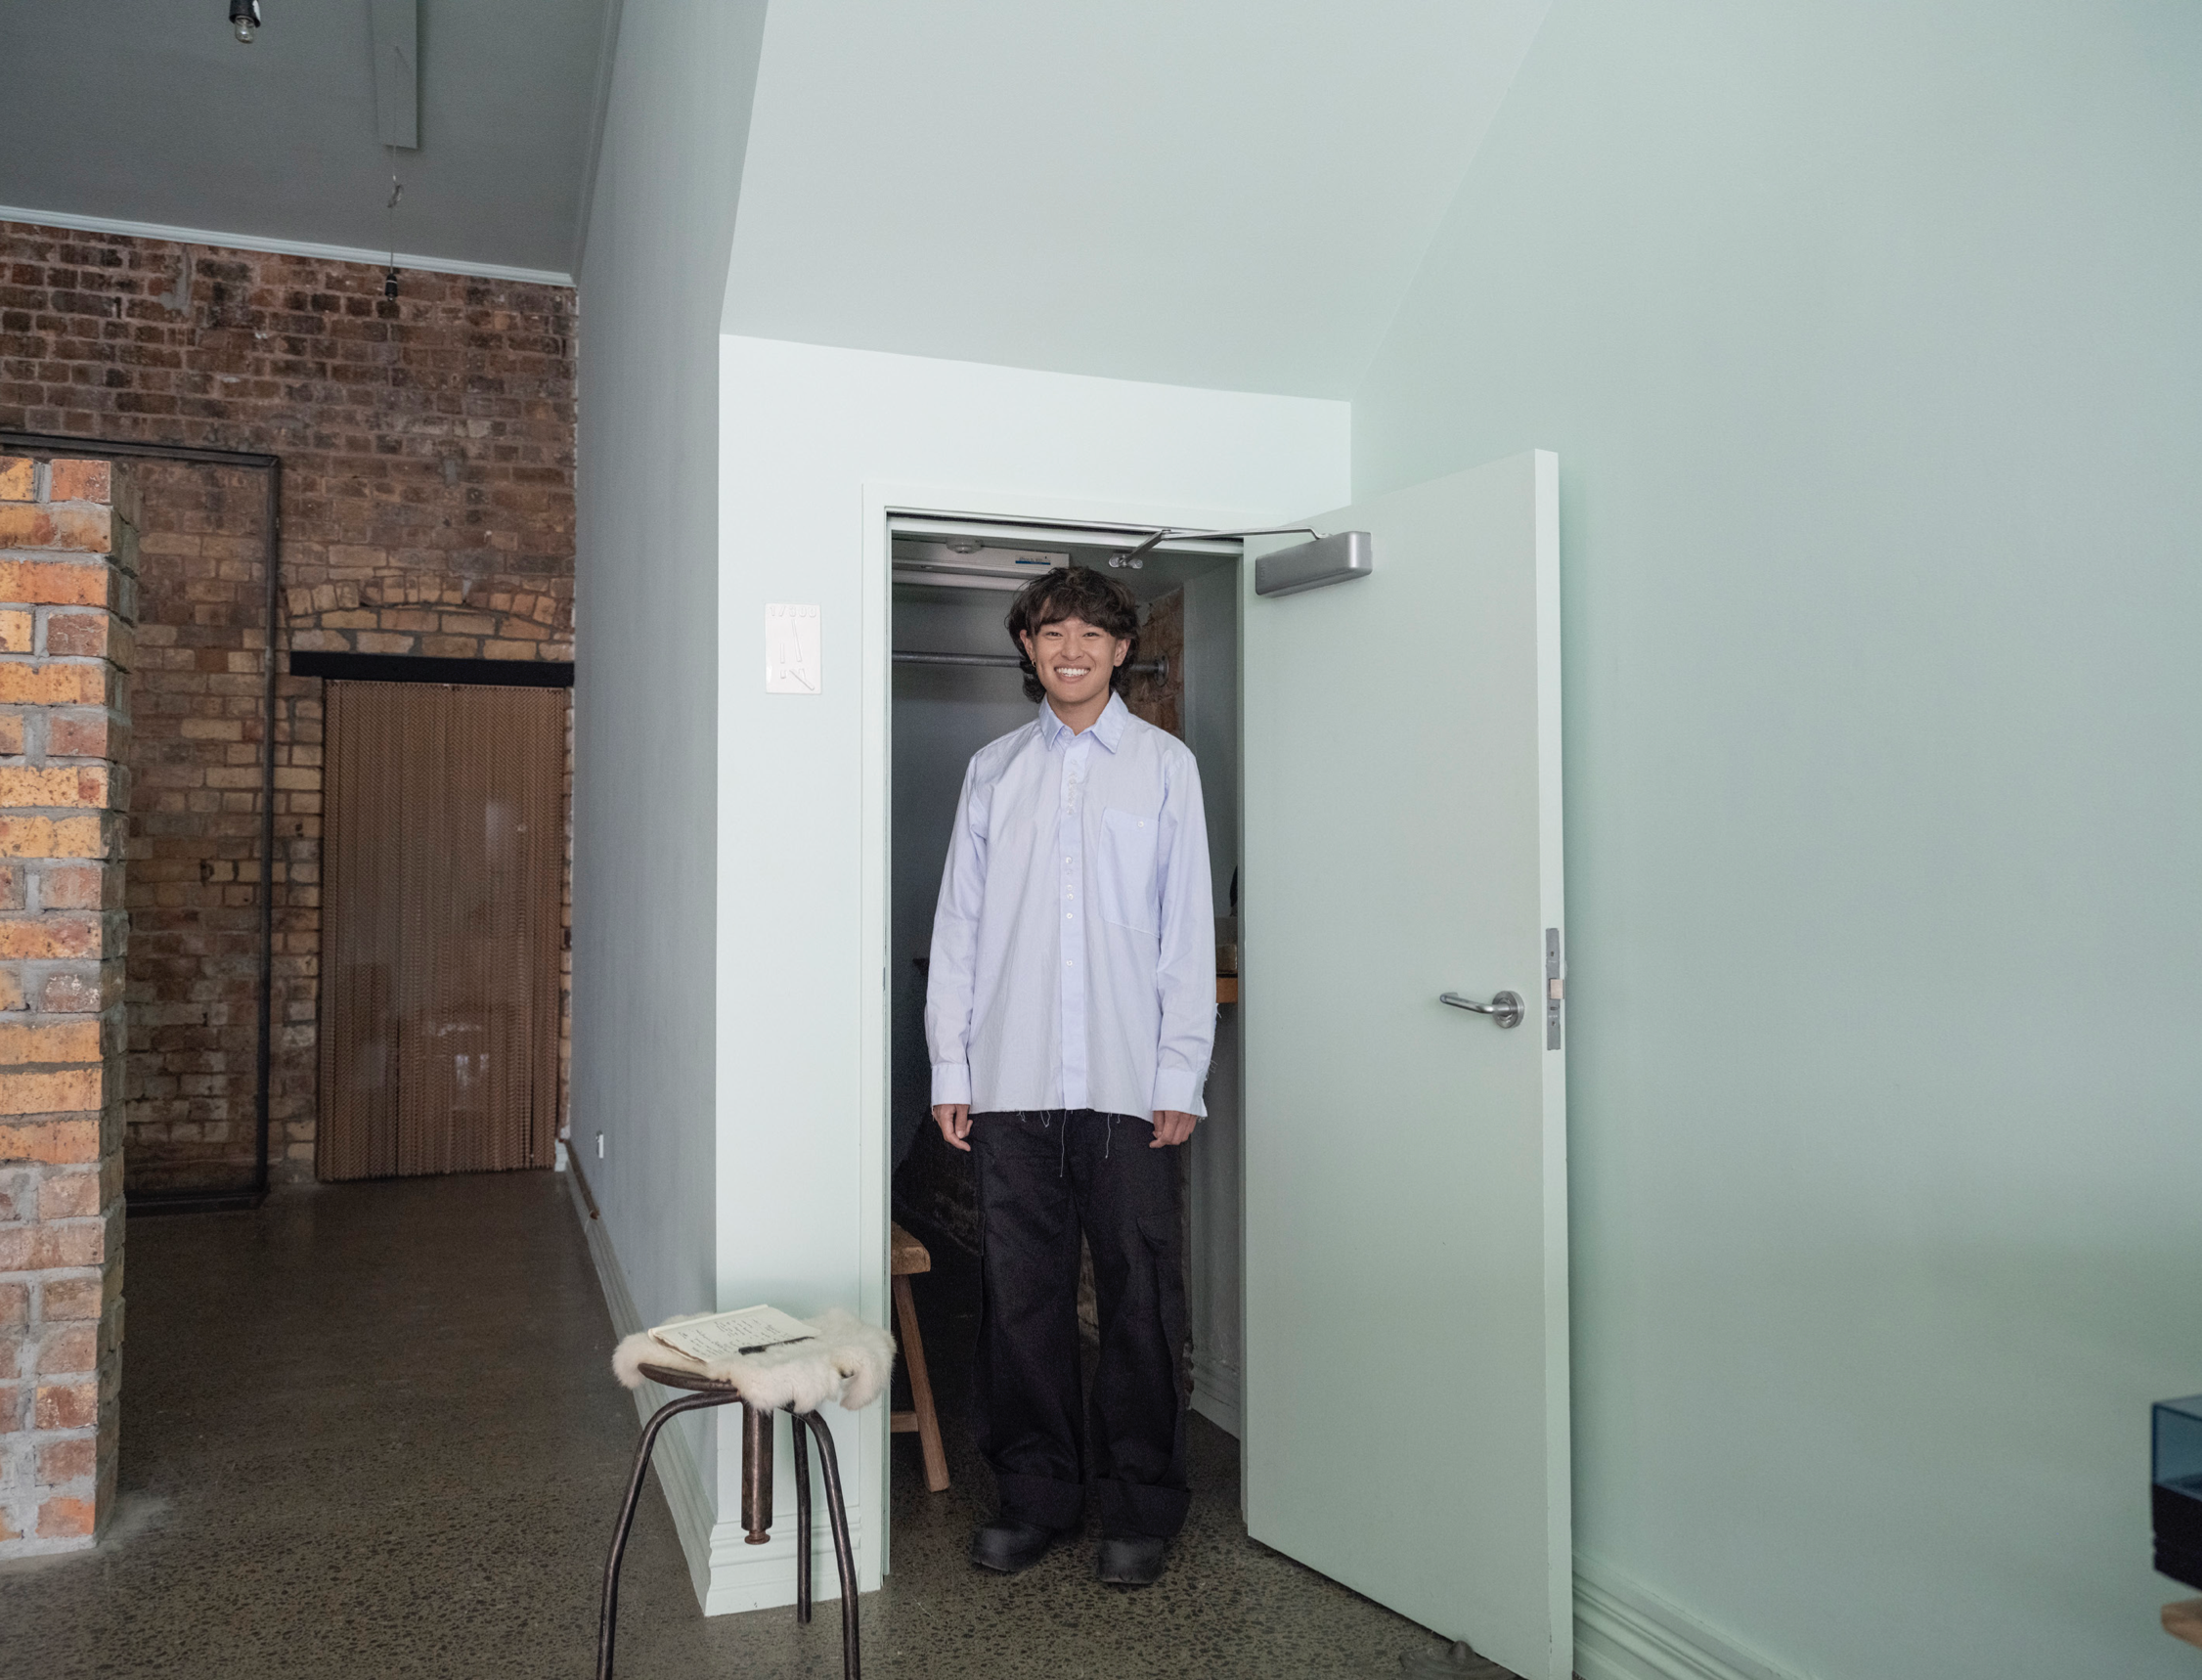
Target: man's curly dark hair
1077	592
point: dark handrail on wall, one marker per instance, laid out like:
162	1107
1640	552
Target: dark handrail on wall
48	444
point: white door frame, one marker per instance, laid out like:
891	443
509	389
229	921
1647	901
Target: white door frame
882	501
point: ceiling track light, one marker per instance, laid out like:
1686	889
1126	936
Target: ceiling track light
244	18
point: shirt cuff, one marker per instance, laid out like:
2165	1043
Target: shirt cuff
951	1082
1174	1088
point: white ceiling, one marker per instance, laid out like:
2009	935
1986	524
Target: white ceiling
1232	193
147	111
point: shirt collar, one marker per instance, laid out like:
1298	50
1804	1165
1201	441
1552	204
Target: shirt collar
1108	729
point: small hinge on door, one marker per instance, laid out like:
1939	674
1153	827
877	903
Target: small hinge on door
1556	987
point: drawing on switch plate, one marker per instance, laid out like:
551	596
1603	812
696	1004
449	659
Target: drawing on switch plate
791	648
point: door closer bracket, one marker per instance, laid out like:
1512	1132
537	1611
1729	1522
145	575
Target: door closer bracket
1333	559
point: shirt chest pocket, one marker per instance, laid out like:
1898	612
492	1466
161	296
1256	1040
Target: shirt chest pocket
1125	881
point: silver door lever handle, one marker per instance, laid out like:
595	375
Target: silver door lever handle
1505	1007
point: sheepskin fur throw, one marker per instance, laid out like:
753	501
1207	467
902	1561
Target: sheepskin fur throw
850	1362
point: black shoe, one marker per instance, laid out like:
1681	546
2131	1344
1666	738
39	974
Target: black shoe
1131	1560
1006	1547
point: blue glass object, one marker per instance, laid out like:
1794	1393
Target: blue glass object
2175	1488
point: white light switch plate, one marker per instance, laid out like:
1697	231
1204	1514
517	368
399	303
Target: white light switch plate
791	649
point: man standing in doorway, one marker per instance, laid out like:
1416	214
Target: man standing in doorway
1071	1012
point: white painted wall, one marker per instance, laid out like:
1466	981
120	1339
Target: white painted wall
1232	194
652	283
814	445
1868	338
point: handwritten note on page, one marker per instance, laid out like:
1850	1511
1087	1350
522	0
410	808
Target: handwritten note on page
724	1335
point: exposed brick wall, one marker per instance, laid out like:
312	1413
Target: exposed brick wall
67	588
194	836
386	612
427	446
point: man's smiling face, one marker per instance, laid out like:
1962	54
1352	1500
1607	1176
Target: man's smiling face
1073	659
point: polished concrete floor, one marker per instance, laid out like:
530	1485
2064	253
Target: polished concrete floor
370	1432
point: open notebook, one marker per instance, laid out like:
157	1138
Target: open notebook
727	1335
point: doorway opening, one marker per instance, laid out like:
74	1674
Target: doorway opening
440	929
955	688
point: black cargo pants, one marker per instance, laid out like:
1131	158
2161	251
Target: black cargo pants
1045	1176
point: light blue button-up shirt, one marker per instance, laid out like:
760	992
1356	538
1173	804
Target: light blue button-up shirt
1074	949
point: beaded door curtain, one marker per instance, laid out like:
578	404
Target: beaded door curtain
440	929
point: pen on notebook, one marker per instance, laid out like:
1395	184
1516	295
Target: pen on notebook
789	1342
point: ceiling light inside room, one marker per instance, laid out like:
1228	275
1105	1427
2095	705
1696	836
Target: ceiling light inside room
244	18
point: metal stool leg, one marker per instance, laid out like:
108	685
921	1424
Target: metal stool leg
802	1519
608	1616
844	1555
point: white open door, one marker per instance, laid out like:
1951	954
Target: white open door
1406	1236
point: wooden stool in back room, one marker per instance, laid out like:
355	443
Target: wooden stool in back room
911	1257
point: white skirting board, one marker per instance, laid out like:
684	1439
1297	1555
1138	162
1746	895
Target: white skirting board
674	1463
1624	1631
747	1577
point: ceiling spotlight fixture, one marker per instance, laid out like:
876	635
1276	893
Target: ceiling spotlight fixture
244	18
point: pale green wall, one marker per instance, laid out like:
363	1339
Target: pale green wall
807	434
1869	337
646	677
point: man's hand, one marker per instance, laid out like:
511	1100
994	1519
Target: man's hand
1173	1127
955	1121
